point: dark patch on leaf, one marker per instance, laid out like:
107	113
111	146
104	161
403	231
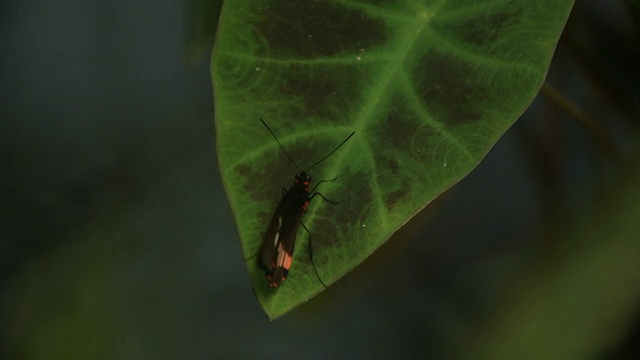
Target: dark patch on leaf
311	29
272	170
406	132
393	166
325	90
449	88
398	195
481	30
250	175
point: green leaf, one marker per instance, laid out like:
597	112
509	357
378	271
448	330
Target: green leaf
428	86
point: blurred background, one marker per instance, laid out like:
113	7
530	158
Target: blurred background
117	242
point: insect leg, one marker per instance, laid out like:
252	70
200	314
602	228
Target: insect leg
311	255
323	181
325	199
314	193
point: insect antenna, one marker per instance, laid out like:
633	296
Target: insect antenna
281	147
332	151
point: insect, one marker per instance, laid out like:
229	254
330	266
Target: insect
276	253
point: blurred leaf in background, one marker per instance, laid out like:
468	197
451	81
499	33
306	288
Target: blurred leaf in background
202	24
574	302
